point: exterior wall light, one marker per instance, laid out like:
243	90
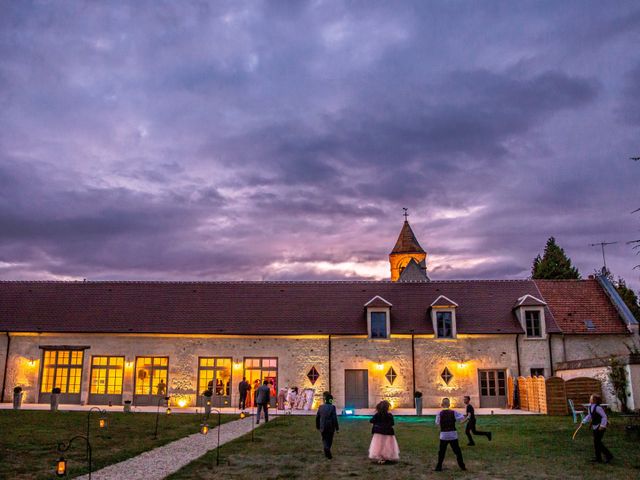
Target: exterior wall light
462	365
380	365
237	365
128	364
32	362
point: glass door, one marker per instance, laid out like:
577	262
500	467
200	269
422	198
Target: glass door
214	374
151	380
256	371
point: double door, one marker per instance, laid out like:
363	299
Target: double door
214	375
151	380
493	388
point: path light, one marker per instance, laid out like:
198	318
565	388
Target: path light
102	423
168	412
242	415
61	467
182	403
61	464
204	428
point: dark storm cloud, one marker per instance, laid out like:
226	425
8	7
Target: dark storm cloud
270	140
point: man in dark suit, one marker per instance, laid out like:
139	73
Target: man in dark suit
243	390
263	395
327	423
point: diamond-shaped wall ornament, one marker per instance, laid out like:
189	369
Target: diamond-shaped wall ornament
313	375
446	375
391	375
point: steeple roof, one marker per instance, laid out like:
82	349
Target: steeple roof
407	242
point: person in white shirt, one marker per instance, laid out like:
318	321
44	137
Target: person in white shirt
448	435
598	418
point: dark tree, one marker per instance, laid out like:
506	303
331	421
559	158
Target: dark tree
629	297
554	264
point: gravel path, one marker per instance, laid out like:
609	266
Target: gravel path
156	464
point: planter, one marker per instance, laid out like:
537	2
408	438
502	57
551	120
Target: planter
17	400
127	406
418	401
55	402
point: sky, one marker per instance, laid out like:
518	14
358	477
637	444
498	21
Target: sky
151	140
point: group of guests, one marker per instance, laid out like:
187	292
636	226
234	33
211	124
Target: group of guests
245	387
384	446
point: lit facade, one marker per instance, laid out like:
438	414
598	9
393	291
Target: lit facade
107	342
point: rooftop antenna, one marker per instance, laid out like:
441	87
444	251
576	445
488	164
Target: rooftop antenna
405	213
602	245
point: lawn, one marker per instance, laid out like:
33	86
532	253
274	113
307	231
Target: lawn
28	439
523	447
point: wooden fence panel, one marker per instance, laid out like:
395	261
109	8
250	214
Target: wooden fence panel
534	398
522	390
542	394
581	388
556	396
510	392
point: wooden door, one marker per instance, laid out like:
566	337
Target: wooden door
356	388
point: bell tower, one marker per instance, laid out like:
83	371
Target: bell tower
406	249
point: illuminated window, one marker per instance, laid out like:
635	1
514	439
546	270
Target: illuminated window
313	375
446	375
215	373
391	375
62	369
151	374
106	375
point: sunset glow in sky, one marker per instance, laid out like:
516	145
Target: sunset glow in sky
280	140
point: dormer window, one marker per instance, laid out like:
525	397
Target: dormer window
379	325
530	313
378	313
532	320
443	316
444	322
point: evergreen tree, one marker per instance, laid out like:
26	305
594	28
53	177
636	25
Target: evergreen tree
554	264
629	297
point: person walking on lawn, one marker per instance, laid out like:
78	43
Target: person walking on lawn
448	435
263	395
327	423
471	423
598	418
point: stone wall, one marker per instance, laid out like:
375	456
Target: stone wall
463	357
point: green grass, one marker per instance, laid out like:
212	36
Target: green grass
28	439
524	447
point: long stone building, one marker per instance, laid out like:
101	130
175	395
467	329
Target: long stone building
107	342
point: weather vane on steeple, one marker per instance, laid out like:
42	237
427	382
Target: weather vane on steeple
405	213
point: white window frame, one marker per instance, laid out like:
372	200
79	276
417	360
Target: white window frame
434	319
386	311
523	321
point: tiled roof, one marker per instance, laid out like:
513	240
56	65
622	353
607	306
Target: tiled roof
407	241
293	308
573	302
